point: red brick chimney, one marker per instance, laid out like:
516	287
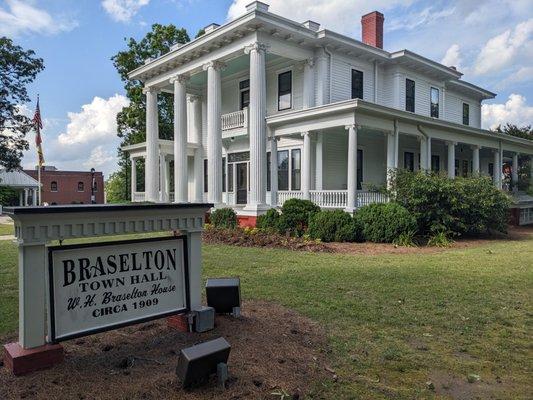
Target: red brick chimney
372	29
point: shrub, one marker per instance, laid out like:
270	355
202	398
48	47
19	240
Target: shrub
385	222
333	226
269	220
455	206
440	240
295	216
224	218
405	239
352	232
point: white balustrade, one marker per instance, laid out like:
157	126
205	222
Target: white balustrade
329	198
284	195
365	198
235	120
138	197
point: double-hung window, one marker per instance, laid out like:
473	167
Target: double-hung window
283	170
434	106
357	84
466	114
205	176
409	95
296	171
244	88
285	91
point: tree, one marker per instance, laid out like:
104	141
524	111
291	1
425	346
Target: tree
524	132
18	69
116	189
131	120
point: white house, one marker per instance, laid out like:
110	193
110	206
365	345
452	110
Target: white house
268	109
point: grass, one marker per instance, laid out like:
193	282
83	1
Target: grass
7	229
394	321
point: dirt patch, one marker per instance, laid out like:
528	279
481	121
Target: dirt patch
514	233
459	388
272	347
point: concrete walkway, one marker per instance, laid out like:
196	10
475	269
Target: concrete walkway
7	237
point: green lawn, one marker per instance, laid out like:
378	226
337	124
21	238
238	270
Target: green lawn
7	229
394	321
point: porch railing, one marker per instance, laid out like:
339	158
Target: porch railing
329	198
333	198
137	197
235	120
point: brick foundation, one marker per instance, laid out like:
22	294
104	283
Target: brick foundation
178	322
23	361
247	221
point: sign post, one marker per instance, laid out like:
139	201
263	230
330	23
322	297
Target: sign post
75	290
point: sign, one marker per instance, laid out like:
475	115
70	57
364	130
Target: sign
98	287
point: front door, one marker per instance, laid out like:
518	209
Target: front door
242	183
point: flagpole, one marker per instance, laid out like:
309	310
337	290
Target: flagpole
39	178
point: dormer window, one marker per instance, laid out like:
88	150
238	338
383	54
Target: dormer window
357	84
434	106
409	95
466	114
285	91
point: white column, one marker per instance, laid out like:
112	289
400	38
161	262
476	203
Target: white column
497	169
273	172
475	160
181	185
32	295
133	176
151	176
396	144
309	84
214	133
34	197
515	170
257	128
163	179
196	137
26	197
318	160
306	165
423	154
351	201
391	141
21	198
451	159
428	149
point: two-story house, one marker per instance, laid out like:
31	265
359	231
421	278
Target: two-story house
268	109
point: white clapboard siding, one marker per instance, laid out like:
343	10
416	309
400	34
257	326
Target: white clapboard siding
342	78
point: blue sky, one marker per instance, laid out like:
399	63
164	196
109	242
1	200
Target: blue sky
491	42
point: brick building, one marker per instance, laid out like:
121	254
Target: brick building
69	187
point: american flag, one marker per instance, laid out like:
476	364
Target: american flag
38	123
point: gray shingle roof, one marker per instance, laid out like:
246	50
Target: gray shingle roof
17	179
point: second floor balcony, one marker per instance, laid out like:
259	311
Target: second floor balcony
235	123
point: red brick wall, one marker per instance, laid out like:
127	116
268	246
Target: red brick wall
67	186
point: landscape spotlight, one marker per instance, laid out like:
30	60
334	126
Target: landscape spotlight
197	363
224	295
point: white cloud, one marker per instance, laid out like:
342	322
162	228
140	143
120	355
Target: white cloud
453	56
89	140
515	110
97	121
341	15
501	50
123	10
21	17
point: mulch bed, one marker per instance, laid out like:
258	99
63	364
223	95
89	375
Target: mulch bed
272	348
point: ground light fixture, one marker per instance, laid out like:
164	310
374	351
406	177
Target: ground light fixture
198	362
224	295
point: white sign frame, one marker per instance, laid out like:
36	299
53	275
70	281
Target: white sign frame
53	336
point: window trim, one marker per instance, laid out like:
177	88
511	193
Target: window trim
292	169
463	113
82	187
352	70
52	186
247	89
278	74
431	89
414	94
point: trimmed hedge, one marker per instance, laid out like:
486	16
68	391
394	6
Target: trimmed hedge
295	216
334	226
385	222
455	207
224	218
269	220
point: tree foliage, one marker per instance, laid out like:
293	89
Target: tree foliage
131	121
116	187
18	69
524	132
